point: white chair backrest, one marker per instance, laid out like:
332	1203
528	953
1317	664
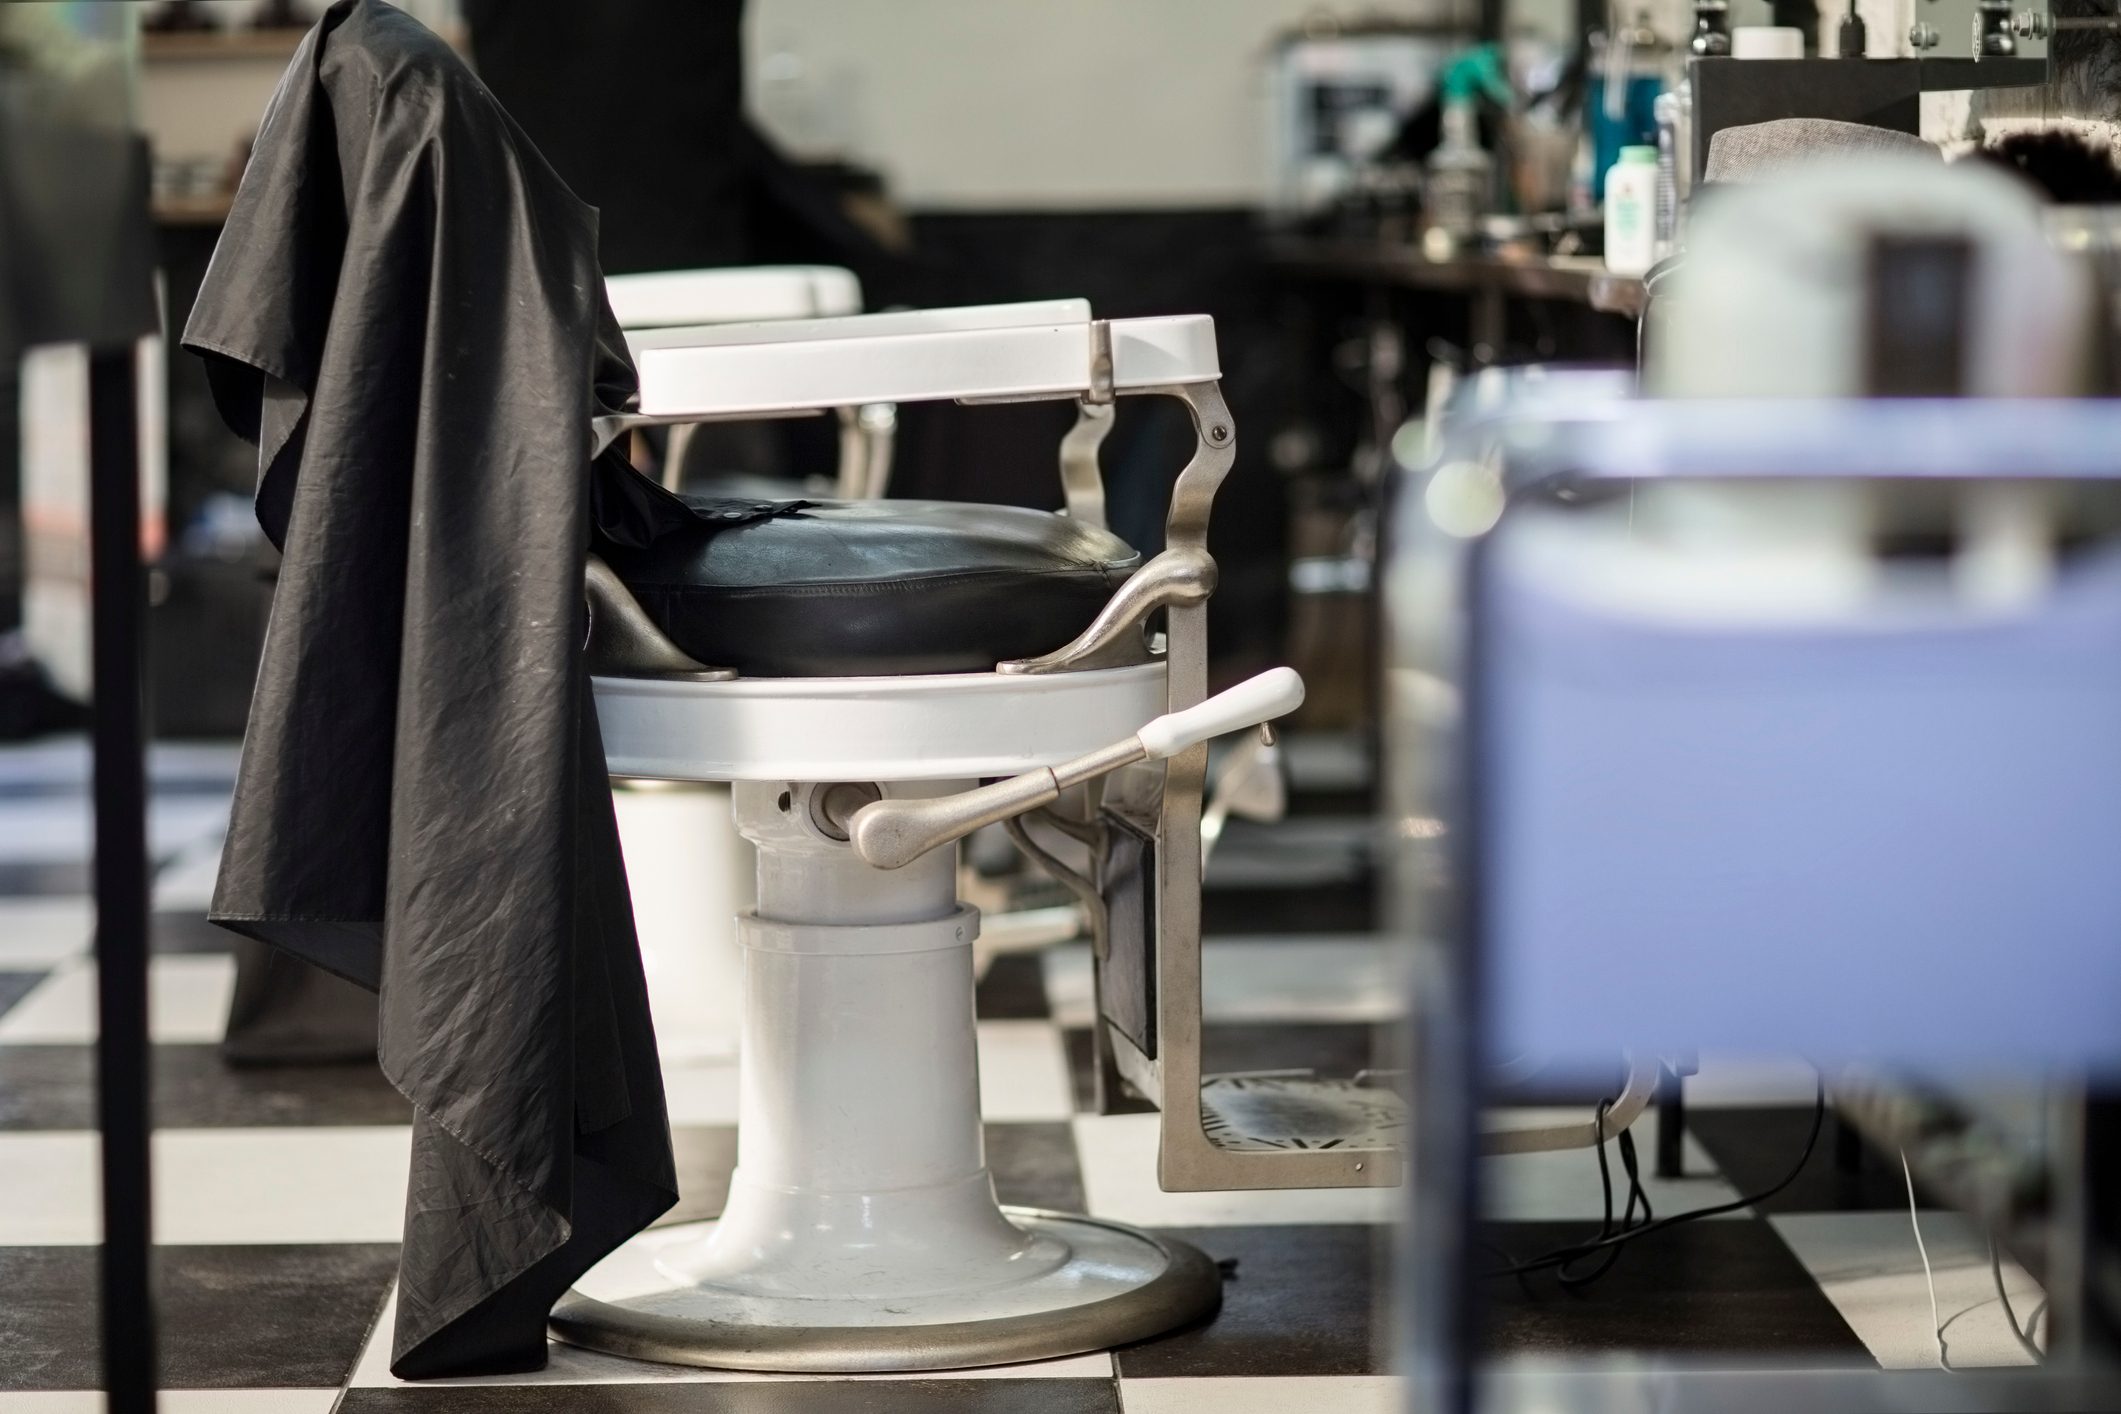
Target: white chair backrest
664	299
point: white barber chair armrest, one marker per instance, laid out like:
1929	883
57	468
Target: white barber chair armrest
669	299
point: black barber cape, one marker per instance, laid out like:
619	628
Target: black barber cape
405	311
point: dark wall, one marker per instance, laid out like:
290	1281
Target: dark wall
1126	264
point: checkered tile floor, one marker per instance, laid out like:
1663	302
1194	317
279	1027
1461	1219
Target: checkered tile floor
279	1192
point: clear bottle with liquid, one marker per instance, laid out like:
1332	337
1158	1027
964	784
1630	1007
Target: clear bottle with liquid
1461	175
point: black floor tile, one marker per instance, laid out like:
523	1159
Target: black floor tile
189	933
42	790
1302	1300
1014	989
235	1317
1338	1049
53	1087
159	787
1303	804
1300	852
56	878
14	986
1080	1047
1034	1166
1718	1287
1326	908
989	1396
1756	1148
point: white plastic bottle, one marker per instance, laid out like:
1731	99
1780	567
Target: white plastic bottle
1631	212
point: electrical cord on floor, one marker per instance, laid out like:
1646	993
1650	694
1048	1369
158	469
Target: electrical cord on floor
1636	1193
1612	1240
2032	1322
1944	1359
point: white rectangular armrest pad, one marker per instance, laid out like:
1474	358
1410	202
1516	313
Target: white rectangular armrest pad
980	352
849	328
663	299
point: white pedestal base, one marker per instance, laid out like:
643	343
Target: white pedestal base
862	1231
688	869
1113	1285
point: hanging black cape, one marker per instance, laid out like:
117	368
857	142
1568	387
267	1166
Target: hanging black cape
406	312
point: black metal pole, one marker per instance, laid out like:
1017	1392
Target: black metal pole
1671	1124
118	591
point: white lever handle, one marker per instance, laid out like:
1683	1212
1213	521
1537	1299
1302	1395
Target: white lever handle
892	833
1274	693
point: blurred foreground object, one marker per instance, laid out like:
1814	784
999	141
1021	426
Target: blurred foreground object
1879	274
76	269
1774	716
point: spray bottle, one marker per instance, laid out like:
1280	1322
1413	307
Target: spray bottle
1460	183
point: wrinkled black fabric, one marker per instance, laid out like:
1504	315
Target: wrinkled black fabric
405	311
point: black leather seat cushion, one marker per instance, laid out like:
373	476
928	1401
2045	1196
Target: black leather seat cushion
872	588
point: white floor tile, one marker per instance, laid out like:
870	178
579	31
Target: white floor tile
700	1091
187	1003
59	760
1068	986
216	1185
1563	1185
1322	1394
180	1401
58	830
282	1185
1118	1154
1306	851
1023	1072
186	883
39	932
569	1366
1353	978
44	831
1324	761
1735	1082
48	1189
1869	1268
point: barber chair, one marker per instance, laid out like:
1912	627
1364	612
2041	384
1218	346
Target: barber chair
855	670
684	859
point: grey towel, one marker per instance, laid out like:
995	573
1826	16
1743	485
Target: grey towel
1752	152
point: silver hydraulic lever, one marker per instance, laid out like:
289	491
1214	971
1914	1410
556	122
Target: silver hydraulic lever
890	834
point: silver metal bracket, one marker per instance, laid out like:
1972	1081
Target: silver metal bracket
1100	362
1082	479
1116	636
623	642
1189	1158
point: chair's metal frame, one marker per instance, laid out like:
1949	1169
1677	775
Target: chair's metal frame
1038	352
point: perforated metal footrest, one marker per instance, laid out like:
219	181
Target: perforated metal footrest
1295	1109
